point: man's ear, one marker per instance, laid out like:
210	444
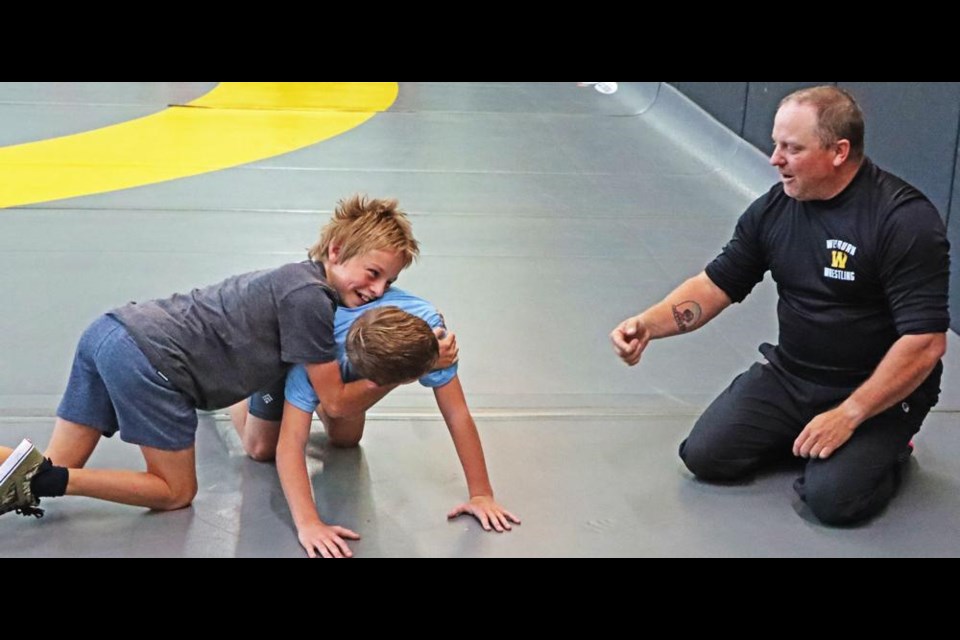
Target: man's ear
843	152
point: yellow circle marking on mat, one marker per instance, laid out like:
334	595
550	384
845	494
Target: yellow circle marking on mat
235	123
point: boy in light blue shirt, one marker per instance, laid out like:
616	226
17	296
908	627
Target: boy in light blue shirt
263	440
300	393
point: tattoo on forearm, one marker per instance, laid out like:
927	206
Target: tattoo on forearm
686	315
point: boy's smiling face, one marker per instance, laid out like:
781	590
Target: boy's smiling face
362	278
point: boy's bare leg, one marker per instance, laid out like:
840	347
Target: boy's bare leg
343	432
170	481
71	444
238	415
259	436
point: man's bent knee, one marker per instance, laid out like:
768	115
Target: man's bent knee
833	506
705	465
831	511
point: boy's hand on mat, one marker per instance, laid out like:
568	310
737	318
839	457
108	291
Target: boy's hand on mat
629	339
825	434
326	541
449	352
491	515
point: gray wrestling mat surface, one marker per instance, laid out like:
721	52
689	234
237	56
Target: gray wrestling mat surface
547	214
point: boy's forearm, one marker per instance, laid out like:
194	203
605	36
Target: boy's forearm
339	399
292	466
466	438
296	487
357	397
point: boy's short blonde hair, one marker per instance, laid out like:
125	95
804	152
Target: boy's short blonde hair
361	224
390	346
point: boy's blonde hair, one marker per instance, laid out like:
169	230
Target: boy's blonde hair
361	224
390	346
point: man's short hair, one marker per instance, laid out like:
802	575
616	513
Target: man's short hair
838	116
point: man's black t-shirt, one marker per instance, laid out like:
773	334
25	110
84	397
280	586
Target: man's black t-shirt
854	273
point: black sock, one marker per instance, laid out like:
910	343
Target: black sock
50	481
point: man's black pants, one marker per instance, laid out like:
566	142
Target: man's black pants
756	419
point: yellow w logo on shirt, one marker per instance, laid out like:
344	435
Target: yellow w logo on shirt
839	260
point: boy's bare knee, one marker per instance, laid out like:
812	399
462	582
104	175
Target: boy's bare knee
259	438
261	451
262	455
180	498
343	433
342	442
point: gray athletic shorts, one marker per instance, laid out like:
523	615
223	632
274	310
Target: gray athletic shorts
113	387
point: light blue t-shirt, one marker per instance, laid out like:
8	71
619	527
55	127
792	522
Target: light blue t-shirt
299	392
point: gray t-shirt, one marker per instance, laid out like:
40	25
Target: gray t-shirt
224	342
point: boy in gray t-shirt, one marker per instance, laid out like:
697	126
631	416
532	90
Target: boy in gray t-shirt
145	368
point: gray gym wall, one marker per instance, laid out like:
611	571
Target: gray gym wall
912	131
